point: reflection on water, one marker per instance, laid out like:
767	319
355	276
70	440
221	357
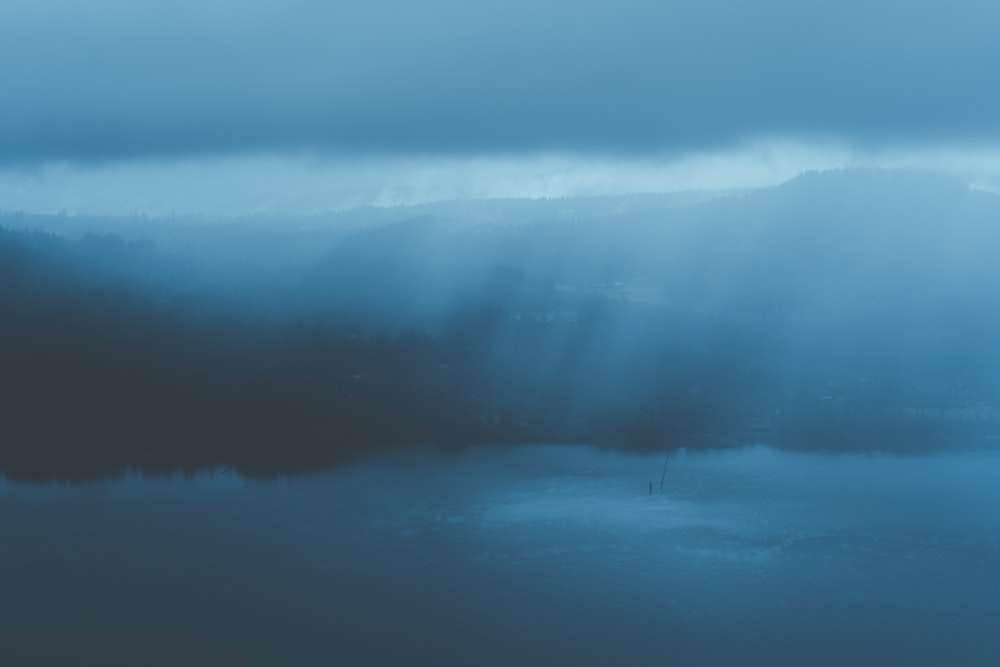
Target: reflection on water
533	555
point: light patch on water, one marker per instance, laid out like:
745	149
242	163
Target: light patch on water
527	555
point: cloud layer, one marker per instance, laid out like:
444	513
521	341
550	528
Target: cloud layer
246	184
117	79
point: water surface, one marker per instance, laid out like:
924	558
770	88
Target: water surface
545	555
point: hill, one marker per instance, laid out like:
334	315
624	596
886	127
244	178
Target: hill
841	310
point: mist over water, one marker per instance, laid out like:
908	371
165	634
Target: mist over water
526	333
527	555
265	442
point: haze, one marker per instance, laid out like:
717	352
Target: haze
233	108
517	333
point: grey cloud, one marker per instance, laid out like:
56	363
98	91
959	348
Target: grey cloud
112	79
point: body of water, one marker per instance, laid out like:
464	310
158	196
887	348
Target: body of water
543	555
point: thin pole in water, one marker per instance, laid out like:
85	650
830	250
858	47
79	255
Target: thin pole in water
664	477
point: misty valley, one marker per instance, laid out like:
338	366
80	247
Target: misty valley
710	428
364	333
842	311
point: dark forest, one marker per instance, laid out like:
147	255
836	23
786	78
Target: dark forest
848	310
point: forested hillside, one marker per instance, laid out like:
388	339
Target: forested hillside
842	310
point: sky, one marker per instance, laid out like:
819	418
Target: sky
226	106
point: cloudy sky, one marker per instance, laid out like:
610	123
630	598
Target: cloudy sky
219	105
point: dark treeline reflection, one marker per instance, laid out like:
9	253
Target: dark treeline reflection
845	310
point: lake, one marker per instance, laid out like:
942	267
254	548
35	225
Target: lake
534	555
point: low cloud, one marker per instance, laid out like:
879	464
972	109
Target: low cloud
303	183
113	80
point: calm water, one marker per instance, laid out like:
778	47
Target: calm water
531	556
